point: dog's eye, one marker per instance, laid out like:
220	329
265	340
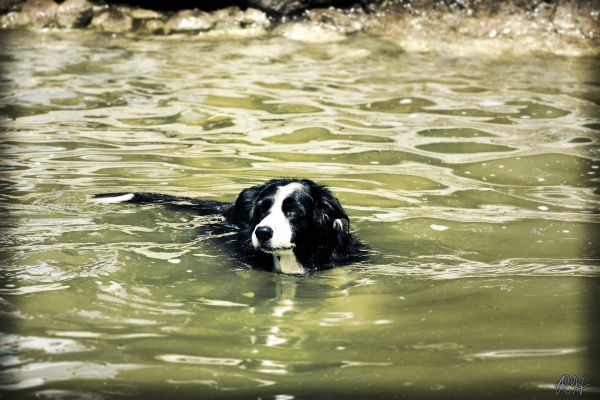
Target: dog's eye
264	206
288	205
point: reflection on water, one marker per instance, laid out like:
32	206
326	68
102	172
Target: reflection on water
473	182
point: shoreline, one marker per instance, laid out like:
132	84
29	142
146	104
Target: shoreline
564	28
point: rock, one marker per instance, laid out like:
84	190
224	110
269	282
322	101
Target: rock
544	12
336	19
74	14
231	22
309	32
142	13
148	21
38	13
11	20
285	7
153	26
249	18
190	21
112	20
232	30
257	16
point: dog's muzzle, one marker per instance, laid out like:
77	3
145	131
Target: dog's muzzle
263	240
263	234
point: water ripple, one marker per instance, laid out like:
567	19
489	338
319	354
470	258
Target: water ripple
519	353
36	374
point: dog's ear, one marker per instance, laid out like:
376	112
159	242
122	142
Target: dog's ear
244	205
332	219
342	226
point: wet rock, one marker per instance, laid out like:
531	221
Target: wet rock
309	32
247	18
231	30
144	14
152	26
74	14
190	21
147	21
10	20
285	7
38	13
112	20
232	22
336	19
256	16
544	12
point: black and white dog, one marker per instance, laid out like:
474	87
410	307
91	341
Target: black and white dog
291	226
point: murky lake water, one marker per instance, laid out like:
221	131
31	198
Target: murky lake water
472	180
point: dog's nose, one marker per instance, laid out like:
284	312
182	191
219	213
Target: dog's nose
263	233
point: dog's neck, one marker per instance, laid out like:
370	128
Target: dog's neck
286	262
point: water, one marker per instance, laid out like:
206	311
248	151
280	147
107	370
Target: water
473	181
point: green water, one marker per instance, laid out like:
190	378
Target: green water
473	181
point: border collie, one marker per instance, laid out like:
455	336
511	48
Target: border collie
292	226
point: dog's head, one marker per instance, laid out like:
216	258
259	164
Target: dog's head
293	215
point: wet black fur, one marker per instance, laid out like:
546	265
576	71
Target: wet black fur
319	243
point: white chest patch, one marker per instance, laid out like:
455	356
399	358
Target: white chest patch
286	262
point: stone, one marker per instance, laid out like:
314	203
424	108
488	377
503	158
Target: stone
190	21
38	13
148	21
74	14
251	17
153	26
309	32
285	7
112	20
11	20
255	17
232	30
142	13
228	13
336	19
232	22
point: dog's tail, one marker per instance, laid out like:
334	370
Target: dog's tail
140	198
173	202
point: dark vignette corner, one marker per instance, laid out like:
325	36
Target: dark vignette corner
593	284
7	322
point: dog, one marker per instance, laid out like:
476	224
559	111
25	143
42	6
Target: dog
291	226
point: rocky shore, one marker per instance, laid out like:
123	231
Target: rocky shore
454	26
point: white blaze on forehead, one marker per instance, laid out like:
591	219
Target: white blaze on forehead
276	219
